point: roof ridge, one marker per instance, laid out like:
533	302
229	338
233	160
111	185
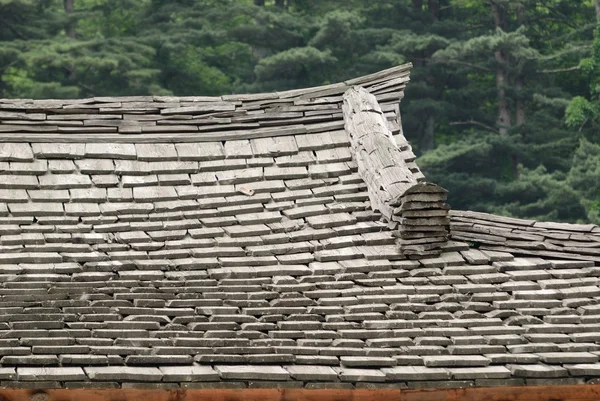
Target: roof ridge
398	191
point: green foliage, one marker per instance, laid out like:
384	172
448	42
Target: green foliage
299	64
584	177
579	111
542	163
540	195
458	155
582	110
338	33
193	75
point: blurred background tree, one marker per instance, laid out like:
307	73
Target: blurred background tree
503	108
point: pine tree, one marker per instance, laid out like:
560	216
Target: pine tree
21	21
514	135
503	106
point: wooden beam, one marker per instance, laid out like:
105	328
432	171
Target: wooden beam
581	392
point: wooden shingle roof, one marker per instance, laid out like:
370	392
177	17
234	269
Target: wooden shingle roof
234	242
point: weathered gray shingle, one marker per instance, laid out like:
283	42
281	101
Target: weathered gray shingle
12	151
247	372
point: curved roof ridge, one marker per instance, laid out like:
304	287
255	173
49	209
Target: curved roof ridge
396	189
194	118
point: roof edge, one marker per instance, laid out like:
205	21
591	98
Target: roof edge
532	238
485	389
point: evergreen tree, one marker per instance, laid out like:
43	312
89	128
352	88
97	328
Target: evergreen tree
518	126
503	108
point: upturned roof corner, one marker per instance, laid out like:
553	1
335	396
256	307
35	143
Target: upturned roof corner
417	208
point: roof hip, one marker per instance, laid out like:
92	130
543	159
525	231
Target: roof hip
398	191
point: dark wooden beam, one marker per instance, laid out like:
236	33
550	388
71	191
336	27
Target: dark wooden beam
581	392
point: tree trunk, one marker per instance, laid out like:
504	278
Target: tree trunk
428	142
504	120
597	6
520	81
280	3
417	5
520	14
71	33
259	2
502	80
520	103
69	8
434	8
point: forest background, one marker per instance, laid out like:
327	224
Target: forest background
502	109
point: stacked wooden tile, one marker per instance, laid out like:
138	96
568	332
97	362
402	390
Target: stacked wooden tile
527	237
418	208
195	118
260	263
423	215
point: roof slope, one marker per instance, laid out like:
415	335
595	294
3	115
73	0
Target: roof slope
250	256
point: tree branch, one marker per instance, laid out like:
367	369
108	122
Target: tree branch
8	65
478	123
78	82
90	90
571	50
577	67
464	63
13	30
555	10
